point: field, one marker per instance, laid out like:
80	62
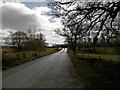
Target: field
107	57
10	58
97	70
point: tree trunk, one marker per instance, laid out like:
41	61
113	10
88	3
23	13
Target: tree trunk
74	48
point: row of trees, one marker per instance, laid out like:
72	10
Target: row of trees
31	40
89	22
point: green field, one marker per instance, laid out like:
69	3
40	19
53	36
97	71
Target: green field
100	50
107	57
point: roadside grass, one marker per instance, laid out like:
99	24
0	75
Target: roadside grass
11	58
98	73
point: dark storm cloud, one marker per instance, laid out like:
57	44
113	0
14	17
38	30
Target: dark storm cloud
15	17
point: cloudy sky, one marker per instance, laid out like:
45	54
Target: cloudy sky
19	15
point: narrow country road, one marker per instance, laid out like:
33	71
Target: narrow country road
52	71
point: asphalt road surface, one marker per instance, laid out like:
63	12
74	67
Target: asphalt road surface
52	71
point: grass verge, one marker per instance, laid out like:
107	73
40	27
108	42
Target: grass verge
97	74
11	59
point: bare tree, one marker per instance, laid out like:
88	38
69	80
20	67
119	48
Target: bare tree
72	35
97	16
36	40
16	40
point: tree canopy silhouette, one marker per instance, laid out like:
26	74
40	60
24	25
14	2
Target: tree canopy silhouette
81	18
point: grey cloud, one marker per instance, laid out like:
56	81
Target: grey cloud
15	18
19	17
